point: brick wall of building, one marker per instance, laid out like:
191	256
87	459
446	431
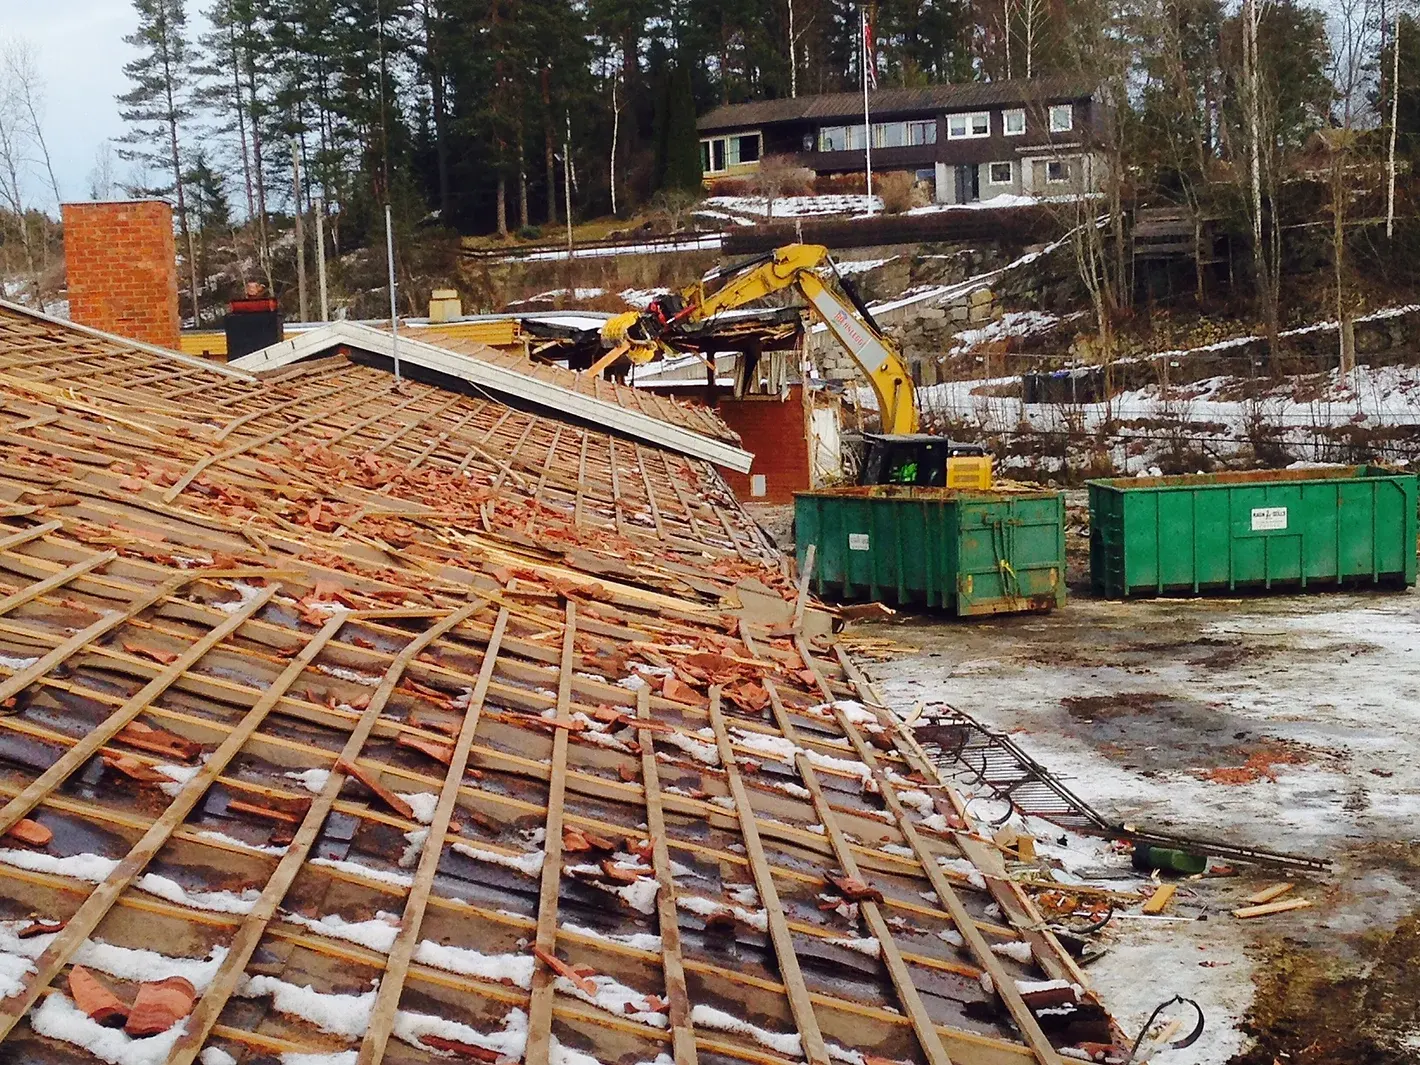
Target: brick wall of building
121	261
776	431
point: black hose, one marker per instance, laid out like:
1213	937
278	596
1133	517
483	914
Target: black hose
1092	927
1186	1041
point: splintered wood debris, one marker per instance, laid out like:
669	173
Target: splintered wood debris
406	726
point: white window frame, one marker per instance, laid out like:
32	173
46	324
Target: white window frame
1006	116
1065	163
1068	110
1010	173
969	132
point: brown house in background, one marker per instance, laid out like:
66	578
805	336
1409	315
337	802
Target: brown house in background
971	141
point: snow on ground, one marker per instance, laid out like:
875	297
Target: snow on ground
1011	324
861	266
641	298
746	210
554	294
689	242
1006	199
795	206
1132	705
1371	396
1170	955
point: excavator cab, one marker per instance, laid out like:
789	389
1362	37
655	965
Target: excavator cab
924	461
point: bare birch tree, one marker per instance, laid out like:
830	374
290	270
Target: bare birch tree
1354	42
22	74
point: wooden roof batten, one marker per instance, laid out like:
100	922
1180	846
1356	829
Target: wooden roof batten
496	375
365	695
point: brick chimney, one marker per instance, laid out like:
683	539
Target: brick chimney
121	262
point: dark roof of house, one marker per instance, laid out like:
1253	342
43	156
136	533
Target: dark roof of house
886	101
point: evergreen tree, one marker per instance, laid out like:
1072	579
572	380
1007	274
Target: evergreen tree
682	140
158	106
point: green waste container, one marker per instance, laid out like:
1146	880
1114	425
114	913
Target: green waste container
966	552
1292	529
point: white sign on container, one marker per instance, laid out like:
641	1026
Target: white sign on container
857	541
1268	519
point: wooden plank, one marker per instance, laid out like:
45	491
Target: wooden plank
1161	897
673	965
1017	906
102	898
801	600
981	951
56	580
85	636
244	943
1267	894
24	536
259	441
907	994
382	1017
799	1002
539	1042
78	755
1268	908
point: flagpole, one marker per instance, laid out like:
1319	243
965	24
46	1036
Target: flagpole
867	123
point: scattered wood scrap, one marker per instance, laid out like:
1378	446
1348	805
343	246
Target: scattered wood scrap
1160	899
1267	894
1269	908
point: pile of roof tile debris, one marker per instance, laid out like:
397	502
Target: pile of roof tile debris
395	723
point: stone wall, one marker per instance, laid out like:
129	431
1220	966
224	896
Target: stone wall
924	327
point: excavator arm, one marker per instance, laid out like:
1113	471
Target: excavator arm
800	266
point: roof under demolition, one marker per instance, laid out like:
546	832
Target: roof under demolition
691	430
401	721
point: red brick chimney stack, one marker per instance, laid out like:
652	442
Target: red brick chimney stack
121	261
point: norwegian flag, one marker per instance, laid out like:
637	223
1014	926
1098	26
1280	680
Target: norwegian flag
870	54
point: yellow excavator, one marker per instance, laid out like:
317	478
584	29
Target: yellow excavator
900	454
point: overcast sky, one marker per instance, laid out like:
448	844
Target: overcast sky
79	50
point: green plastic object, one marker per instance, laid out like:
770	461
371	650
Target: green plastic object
964	552
1168	859
1257	531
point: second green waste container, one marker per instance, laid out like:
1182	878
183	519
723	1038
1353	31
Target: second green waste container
1285	529
965	552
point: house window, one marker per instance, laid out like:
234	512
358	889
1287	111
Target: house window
889	134
902	134
718	154
976	124
841	139
1001	173
1014	122
1057	171
1062	118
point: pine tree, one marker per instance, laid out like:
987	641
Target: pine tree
157	107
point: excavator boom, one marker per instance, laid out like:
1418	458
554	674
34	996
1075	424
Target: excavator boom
802	266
